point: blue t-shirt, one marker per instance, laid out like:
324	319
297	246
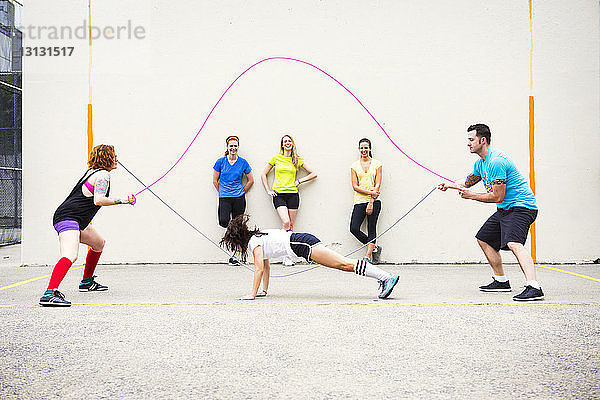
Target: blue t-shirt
230	180
498	165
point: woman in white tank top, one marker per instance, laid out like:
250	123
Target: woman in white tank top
277	243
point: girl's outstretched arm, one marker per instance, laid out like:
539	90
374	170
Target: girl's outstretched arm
101	188
259	269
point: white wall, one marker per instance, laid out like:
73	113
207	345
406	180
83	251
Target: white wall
426	70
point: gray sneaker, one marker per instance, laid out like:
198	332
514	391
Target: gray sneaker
387	286
90	285
54	298
375	255
287	262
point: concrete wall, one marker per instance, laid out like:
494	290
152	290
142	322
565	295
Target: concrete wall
426	70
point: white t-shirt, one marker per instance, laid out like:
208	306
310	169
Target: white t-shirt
276	244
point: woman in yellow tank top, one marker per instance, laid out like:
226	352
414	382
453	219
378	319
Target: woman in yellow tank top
285	185
365	174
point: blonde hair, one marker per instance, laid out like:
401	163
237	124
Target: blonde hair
294	153
102	157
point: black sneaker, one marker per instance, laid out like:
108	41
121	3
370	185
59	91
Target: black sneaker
375	255
387	286
54	298
90	285
530	294
233	262
496	286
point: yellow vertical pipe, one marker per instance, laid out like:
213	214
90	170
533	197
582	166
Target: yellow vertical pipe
531	129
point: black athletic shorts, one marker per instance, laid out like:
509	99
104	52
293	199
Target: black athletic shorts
511	225
290	200
302	243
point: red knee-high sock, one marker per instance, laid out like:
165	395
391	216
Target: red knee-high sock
90	263
59	272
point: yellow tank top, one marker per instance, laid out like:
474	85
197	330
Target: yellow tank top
366	180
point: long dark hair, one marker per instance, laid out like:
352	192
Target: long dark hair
365	140
238	235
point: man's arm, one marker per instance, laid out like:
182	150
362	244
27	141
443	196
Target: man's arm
496	196
471	180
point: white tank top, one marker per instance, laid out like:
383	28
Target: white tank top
276	244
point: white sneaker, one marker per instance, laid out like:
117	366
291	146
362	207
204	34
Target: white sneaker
287	262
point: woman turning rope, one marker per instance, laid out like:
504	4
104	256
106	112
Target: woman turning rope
269	243
285	186
72	223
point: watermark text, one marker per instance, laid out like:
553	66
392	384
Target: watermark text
127	31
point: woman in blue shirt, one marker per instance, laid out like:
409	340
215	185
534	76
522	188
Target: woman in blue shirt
227	179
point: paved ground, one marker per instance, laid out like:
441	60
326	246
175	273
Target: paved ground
176	331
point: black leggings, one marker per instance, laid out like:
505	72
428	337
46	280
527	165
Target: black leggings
358	216
230	207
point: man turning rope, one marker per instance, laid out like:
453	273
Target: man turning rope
516	210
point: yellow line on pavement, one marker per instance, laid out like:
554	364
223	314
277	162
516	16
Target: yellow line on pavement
74	268
570	273
373	303
33	280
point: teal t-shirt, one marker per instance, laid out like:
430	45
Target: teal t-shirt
497	165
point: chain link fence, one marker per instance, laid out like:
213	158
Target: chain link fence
11	192
10	205
11	189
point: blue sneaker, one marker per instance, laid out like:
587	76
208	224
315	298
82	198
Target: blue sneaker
54	298
90	285
496	286
530	294
387	286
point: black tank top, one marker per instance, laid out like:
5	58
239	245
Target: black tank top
78	207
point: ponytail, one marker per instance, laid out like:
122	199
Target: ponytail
232	137
365	140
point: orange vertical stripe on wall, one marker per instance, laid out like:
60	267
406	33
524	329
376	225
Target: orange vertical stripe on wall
531	129
90	134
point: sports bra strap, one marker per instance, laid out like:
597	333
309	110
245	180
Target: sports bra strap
86	176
